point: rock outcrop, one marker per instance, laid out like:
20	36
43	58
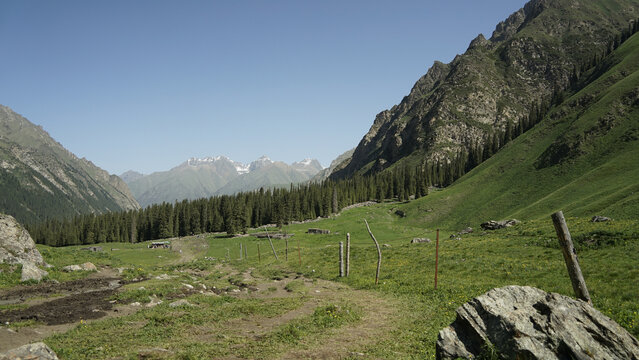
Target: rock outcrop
17	247
39	351
494	225
522	322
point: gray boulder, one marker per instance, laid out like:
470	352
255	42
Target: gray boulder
31	272
37	350
17	247
494	225
420	240
522	322
598	218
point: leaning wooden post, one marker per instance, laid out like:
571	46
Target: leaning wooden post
348	254
270	242
379	253
570	256
436	257
259	255
341	259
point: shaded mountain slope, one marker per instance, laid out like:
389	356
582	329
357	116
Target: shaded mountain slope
40	179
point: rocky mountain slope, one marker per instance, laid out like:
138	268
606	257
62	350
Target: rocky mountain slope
582	158
40	179
200	178
496	82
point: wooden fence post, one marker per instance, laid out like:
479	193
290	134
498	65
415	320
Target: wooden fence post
270	242
341	259
436	258
348	254
259	255
379	253
245	252
299	251
286	248
570	257
228	254
241	251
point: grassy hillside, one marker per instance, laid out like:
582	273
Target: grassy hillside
272	309
582	158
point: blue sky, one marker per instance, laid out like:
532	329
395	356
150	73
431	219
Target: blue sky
144	85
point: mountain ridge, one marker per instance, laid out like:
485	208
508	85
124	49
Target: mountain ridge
217	175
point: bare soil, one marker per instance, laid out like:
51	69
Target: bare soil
55	307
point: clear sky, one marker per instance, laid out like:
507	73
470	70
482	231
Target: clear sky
144	85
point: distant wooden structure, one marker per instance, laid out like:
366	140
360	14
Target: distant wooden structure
160	245
93	248
318	231
264	235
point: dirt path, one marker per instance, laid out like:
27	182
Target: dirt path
378	316
189	248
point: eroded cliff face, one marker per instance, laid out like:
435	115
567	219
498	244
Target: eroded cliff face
459	105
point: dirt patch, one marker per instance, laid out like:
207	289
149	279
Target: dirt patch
56	307
22	293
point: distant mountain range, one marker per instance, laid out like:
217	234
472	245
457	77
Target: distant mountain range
199	178
40	179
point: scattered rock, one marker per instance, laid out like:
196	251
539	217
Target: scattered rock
137	303
598	218
188	286
525	322
70	268
420	240
154	301
181	302
163	277
400	213
87	266
386	245
467	230
39	351
31	272
494	225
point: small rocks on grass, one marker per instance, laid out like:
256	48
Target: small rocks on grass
181	302
598	218
386	245
494	225
137	303
420	240
188	286
163	277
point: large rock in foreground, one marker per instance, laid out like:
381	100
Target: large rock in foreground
17	247
522	322
38	351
